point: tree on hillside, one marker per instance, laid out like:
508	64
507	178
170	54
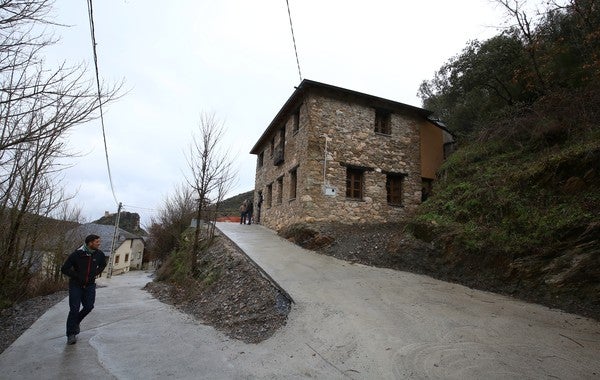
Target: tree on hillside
173	219
478	82
211	175
38	107
510	72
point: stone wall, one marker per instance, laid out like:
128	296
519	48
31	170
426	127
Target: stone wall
348	125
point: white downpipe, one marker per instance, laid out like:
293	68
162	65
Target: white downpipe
325	162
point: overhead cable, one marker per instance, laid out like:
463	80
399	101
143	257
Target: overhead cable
294	39
93	34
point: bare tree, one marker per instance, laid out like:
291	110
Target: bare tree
210	173
222	190
172	221
525	24
38	107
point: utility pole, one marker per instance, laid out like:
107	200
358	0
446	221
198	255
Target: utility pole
114	241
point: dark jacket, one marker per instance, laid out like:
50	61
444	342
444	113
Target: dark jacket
82	267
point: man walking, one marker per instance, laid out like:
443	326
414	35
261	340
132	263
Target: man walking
82	267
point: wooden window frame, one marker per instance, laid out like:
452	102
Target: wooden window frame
355	183
394	183
383	121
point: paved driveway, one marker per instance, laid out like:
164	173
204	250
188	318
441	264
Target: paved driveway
378	323
348	322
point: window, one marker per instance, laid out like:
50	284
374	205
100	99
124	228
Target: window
126	257
296	121
279	150
354	183
116	259
261	157
383	122
293	182
272	146
282	136
279	190
269	195
393	186
278	158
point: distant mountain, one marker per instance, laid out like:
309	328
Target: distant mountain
129	221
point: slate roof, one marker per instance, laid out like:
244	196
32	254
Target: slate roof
306	85
106	235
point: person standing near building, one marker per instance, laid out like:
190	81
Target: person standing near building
82	267
243	209
249	211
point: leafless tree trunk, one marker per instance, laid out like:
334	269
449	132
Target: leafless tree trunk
211	172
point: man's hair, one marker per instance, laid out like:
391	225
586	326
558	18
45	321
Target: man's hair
91	238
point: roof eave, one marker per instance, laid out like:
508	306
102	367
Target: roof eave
305	85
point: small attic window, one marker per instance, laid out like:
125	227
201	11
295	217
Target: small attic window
383	122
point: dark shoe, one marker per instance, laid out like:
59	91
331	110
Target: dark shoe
77	330
71	339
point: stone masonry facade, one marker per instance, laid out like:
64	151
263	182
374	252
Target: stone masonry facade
305	161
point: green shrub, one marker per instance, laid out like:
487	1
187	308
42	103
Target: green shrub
516	201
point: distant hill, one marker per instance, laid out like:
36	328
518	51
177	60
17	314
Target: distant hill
129	221
231	206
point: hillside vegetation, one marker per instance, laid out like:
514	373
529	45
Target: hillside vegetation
524	216
518	203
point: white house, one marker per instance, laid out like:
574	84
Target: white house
128	248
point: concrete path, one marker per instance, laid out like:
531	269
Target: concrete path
348	322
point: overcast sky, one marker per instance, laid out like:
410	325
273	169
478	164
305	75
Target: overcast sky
235	59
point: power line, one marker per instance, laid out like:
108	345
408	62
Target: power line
91	16
293	39
141	208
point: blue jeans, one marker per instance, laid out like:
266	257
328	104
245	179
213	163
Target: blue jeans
79	296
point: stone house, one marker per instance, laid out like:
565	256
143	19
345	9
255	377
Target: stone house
332	154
